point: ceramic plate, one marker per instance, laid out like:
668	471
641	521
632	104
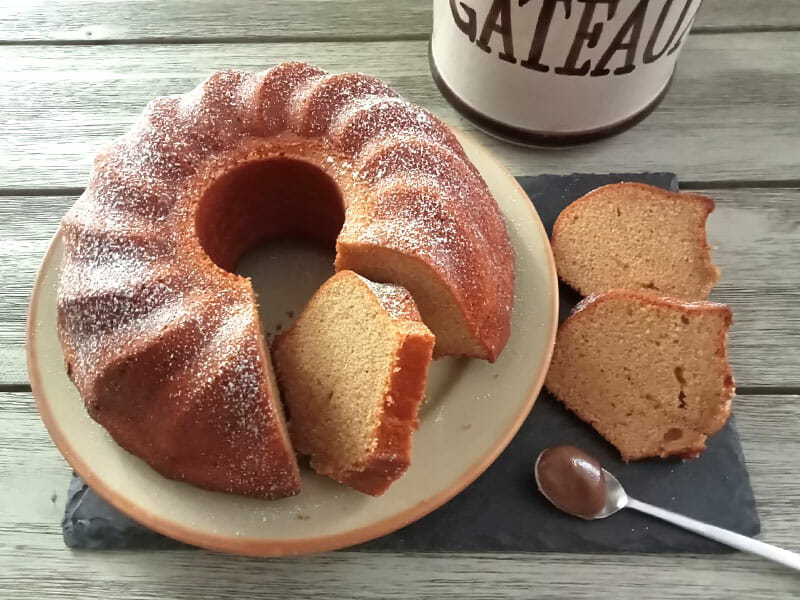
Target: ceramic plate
473	409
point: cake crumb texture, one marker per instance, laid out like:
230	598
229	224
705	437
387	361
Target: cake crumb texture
638	237
650	374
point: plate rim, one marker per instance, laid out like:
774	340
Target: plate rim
283	547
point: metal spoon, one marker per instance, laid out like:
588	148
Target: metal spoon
617	499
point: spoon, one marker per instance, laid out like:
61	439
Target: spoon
569	469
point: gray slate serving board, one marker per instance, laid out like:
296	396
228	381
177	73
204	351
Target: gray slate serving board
502	510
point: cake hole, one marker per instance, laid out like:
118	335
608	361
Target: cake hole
684	319
680	376
619	212
673	434
274	221
267	199
649	286
681	399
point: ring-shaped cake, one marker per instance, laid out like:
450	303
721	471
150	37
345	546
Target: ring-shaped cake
163	340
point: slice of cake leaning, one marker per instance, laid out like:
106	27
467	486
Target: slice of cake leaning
352	370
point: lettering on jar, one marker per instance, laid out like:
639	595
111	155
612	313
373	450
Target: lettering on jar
626	43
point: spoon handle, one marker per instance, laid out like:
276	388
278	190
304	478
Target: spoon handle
724	536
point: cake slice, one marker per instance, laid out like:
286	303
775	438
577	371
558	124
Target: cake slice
638	237
650	374
352	370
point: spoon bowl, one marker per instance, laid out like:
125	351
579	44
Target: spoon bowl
615	498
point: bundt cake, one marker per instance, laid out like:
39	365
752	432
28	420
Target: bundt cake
162	339
650	374
638	237
352	372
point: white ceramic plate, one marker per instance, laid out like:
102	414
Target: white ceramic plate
473	410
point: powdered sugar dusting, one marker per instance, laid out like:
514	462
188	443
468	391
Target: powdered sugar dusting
427	165
232	385
396	300
177	134
318	106
377	119
416	222
275	89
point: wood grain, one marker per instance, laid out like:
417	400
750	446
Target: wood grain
268	20
731	113
37	565
92	21
754	232
716	15
755	235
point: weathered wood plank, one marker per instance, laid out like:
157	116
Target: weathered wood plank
157	20
743	15
27	224
37	565
181	20
756	239
731	113
756	234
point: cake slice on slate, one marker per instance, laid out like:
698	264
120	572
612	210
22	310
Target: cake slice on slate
650	374
353	370
636	236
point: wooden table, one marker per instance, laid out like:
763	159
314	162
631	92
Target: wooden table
75	73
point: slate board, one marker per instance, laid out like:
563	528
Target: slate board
502	510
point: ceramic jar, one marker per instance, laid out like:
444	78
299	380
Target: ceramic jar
556	71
